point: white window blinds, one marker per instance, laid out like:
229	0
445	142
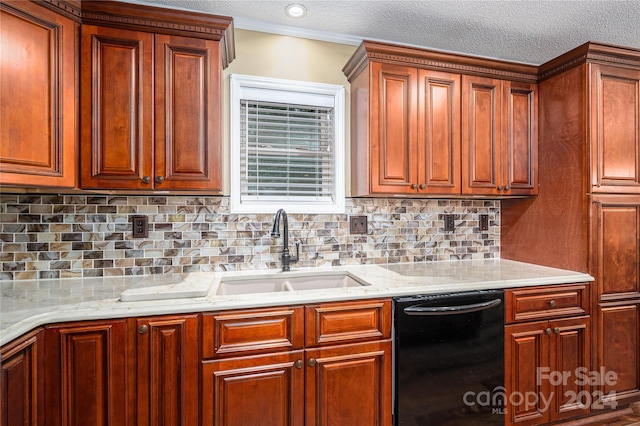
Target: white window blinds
286	152
286	145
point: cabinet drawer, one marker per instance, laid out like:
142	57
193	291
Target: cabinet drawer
547	302
332	323
252	331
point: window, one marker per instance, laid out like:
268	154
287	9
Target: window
287	146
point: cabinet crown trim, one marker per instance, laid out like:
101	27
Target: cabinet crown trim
591	52
159	20
433	59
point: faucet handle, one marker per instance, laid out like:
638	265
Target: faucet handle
297	256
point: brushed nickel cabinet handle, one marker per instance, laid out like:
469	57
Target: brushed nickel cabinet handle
414	186
552	303
556	330
299	364
143	329
159	179
146	179
547	331
312	362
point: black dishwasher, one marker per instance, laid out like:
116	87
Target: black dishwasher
449	359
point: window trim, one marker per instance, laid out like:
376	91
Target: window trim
257	88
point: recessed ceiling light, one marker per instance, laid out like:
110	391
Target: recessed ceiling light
295	10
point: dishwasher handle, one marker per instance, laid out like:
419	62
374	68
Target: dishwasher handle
421	310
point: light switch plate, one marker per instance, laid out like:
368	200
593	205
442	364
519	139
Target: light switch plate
449	223
484	222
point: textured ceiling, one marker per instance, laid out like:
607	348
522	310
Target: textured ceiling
529	31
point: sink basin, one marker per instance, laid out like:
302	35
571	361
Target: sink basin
289	282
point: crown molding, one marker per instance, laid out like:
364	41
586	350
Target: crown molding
264	27
438	60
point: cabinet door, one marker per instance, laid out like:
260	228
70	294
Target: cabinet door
519	141
393	124
117	111
571	355
260	390
616	250
37	96
22	385
615	129
188	114
167	370
526	351
481	121
438	132
349	385
85	375
617	349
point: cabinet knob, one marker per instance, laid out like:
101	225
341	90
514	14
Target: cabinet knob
299	364
499	187
552	303
143	329
146	179
556	330
159	179
414	186
507	188
312	362
547	331
423	186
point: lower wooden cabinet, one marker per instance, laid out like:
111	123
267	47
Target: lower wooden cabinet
22	383
349	385
616	351
85	374
242	367
341	376
139	371
260	390
545	361
548	355
167	369
337	385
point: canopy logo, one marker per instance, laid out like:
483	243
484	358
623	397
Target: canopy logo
497	399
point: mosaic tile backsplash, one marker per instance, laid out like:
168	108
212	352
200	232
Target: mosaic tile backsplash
65	236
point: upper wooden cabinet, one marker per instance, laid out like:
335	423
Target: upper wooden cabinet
37	96
615	129
499	133
151	103
423	126
148	101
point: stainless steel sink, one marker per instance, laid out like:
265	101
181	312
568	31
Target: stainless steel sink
269	283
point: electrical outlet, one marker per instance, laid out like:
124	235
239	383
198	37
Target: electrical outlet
449	223
484	222
140	226
358	225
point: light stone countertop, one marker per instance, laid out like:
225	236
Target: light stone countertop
25	305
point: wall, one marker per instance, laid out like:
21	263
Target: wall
292	58
46	236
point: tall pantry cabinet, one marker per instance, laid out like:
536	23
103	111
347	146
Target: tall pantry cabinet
587	214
